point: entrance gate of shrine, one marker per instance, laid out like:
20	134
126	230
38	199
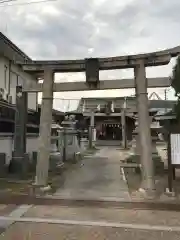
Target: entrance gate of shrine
46	70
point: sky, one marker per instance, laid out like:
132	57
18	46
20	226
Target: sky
73	29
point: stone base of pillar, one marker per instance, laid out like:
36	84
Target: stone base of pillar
170	194
148	194
84	144
38	190
92	137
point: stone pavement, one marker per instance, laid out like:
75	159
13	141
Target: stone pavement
10	211
96	177
45	231
44	222
109	215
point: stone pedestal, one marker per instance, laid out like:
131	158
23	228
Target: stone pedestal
84	144
94	137
91	130
54	145
20	131
124	132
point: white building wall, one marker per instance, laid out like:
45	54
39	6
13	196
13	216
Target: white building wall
12	75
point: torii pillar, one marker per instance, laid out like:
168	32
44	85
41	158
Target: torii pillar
45	129
148	182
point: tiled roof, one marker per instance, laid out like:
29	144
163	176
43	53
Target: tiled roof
11	51
154	105
164	111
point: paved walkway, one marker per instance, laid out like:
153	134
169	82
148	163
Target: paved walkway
97	177
44	222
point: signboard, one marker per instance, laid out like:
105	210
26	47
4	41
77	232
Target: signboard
175	148
92	70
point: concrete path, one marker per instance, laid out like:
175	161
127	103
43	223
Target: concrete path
44	222
46	231
97	177
58	222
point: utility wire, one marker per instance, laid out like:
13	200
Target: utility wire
7	1
21	4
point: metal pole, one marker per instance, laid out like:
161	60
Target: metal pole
45	130
165	98
123	123
91	127
64	144
170	167
165	94
144	127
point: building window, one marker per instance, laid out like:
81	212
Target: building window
5	76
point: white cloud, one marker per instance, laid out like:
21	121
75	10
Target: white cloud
70	29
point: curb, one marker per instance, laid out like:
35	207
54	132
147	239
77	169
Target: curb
117	203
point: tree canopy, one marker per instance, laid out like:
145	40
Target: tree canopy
176	85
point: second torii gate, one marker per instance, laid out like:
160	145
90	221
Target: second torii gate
46	69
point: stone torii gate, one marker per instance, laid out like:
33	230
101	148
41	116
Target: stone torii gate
46	70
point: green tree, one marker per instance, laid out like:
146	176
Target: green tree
176	85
